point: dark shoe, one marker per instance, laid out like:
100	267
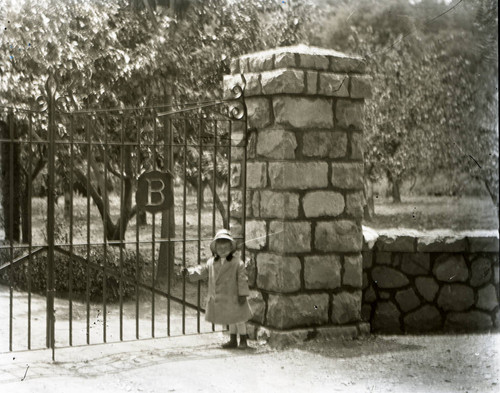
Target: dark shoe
243	342
232	343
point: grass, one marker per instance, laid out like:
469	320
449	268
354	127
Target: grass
430	212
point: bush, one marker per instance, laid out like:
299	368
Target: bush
37	269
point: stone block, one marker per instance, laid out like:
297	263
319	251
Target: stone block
366	312
369	296
258	306
287	236
354	204
333	85
255	205
285	60
311	82
275	204
325	144
244	67
367	259
338	236
251	269
390	242
282	81
366	283
384	295
256	174
304	112
357	146
278	273
258	112
235	174
346	308
322	271
383	257
298	175
276	144
386	277
288	311
425	319
480	272
416	263
313	61
339	332
262	61
361	86
407	300
386	318
451	268
427	287
234	66
487	298
455	297
353	271
256	230
441	244
483	243
253	87
472	321
347	175
323	203
349	114
236	203
347	64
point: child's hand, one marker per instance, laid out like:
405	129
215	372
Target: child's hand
184	271
242	299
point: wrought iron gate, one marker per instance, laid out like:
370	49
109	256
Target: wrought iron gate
72	228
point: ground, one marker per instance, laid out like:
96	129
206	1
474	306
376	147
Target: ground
468	363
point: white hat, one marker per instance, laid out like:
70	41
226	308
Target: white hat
223	234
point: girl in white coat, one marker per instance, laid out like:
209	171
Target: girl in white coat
227	288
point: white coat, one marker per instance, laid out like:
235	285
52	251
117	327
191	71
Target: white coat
226	282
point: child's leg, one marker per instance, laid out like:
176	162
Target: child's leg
232	343
241	328
233	328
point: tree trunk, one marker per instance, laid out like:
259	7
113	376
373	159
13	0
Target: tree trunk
220	205
9	180
396	194
369	207
166	257
142	218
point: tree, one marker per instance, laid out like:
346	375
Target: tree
427	85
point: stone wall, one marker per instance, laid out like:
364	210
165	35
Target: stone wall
431	282
304	180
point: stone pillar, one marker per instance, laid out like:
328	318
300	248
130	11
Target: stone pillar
304	178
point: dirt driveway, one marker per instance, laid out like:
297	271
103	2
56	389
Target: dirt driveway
460	363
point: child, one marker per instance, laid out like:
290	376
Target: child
227	288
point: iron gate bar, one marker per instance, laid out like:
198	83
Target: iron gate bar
200	154
50	88
11	223
229	179
137	246
22	257
122	205
87	288
168	152
184	205
104	230
30	238
70	268
153	251
158	240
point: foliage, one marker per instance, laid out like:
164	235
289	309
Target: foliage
73	272
106	54
435	101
